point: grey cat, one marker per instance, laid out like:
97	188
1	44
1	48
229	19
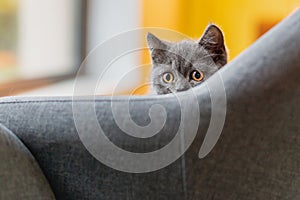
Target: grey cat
185	64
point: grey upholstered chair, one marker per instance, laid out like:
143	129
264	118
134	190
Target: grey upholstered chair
256	157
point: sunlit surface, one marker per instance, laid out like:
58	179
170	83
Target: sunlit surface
8	40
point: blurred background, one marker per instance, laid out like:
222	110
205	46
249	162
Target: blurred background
43	43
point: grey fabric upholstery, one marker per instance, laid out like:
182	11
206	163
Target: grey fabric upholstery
256	157
20	175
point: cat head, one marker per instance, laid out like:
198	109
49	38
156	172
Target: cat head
185	64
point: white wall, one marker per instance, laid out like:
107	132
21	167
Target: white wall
46	43
107	18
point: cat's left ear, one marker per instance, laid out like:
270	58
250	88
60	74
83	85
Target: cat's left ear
213	41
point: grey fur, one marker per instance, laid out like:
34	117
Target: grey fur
207	55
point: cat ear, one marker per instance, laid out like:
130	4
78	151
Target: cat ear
213	41
155	43
158	48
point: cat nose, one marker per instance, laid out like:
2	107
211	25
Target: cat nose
182	85
183	88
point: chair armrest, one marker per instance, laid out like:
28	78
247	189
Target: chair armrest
20	175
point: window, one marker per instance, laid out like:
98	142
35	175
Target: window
40	39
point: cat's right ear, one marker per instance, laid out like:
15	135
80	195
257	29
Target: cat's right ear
155	43
158	48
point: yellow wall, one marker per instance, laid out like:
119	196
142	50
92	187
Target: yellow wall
239	19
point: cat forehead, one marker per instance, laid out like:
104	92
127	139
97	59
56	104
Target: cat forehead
184	44
186	48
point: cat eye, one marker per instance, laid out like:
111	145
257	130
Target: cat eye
197	75
168	77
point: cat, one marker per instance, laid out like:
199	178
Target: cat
178	66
